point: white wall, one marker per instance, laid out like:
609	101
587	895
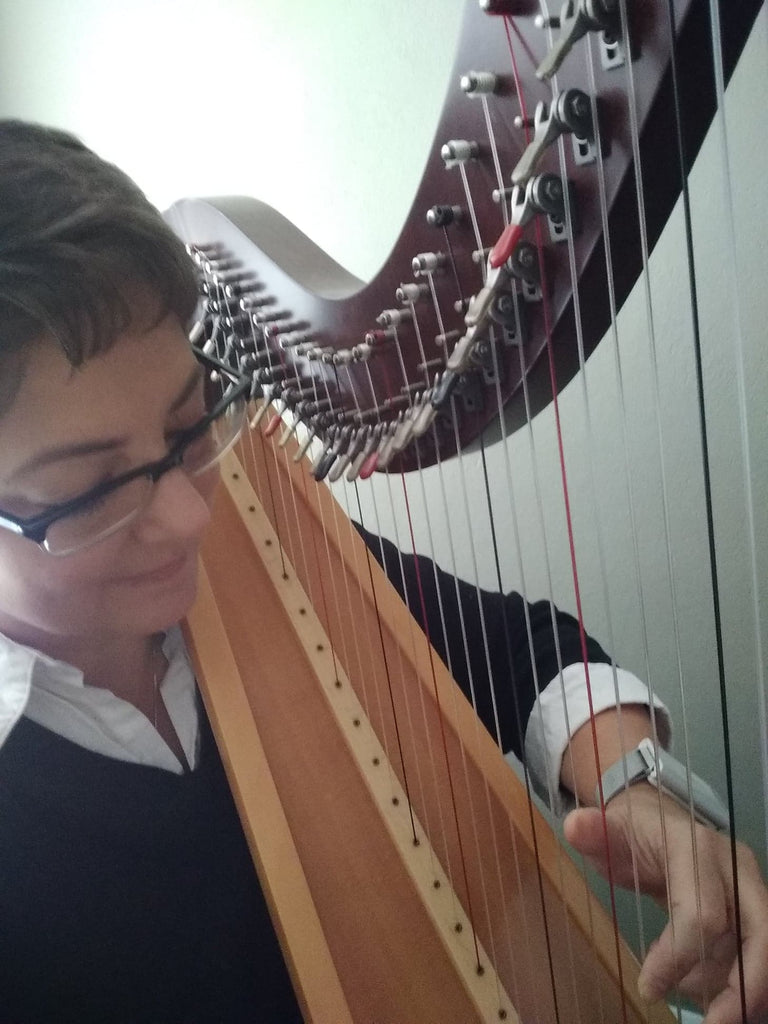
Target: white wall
325	110
322	108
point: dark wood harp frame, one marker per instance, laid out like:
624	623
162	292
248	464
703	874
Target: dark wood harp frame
360	943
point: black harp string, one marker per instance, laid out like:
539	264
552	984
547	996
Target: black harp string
706	468
717	70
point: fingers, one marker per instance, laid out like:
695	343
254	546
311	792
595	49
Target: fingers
697	952
699	918
753	900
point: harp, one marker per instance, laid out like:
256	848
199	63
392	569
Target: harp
339	727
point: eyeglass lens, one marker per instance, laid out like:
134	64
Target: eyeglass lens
109	513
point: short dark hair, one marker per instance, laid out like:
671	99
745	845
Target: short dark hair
77	240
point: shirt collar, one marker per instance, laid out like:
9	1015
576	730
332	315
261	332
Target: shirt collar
17	665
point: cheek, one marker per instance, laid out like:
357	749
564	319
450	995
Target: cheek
46	592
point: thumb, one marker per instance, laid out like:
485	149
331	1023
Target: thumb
585	831
604	842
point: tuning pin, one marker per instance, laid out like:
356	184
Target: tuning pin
459	151
478	83
442	216
447	338
411	292
393	317
427	263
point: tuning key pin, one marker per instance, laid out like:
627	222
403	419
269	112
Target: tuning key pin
411	292
427	263
478	83
393	317
441	216
570	111
575	21
459	151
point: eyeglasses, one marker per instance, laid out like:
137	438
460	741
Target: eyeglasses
101	511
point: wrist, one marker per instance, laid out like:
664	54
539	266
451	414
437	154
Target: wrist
646	768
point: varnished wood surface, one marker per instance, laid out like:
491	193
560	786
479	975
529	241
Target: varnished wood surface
391	965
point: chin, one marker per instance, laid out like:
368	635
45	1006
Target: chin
154	605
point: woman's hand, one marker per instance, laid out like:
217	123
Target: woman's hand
697	951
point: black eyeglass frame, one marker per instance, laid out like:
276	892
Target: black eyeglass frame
36	527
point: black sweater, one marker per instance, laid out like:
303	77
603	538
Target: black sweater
484	639
127	893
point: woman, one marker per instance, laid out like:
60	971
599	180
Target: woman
126	888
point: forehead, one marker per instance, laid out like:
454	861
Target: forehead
111	391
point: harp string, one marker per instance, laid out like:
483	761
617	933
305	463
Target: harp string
477	723
479	244
524	590
590	449
739	362
460	826
629	478
569	525
507	685
662	462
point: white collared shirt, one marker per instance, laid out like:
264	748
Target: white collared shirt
53	694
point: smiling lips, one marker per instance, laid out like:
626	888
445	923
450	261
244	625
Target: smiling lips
161	574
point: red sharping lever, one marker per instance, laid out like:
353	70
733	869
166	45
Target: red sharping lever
369	466
273	424
505	246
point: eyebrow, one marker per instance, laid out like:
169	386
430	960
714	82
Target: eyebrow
84	448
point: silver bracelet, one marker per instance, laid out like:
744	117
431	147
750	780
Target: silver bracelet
645	764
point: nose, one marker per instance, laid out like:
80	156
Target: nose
179	507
